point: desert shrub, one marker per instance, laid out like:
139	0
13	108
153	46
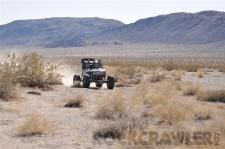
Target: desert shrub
159	93
164	103
112	132
129	71
199	73
113	108
170	65
211	95
123	126
135	80
33	72
35	124
191	67
76	101
29	70
122	81
53	76
171	112
156	76
8	76
8	90
34	93
145	102
126	75
190	90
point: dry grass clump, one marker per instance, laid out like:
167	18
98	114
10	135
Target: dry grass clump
132	111
126	75
177	74
212	95
119	70
200	74
172	112
35	124
129	71
190	89
129	123
157	76
123	81
113	108
160	91
147	102
157	100
202	113
76	102
166	104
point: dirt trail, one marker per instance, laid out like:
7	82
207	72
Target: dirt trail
72	127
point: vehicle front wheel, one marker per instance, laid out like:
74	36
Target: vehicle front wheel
110	82
76	81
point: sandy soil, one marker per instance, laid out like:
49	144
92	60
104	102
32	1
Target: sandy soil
72	127
211	80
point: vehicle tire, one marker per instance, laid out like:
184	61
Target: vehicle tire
110	82
86	82
76	81
99	84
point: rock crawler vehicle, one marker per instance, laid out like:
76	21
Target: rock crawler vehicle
93	71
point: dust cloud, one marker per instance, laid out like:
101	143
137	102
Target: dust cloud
68	72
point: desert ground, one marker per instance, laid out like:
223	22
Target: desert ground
157	91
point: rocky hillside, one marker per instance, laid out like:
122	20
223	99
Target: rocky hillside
53	32
185	28
200	28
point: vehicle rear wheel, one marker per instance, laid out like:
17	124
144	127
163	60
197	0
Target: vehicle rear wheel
110	82
99	84
86	82
76	81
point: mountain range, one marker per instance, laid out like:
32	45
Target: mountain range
180	28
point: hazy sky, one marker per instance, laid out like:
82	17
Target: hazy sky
126	11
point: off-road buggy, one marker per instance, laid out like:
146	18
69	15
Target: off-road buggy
93	71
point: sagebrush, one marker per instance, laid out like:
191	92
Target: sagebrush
8	79
30	70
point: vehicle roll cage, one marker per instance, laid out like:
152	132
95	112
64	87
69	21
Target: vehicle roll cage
90	63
